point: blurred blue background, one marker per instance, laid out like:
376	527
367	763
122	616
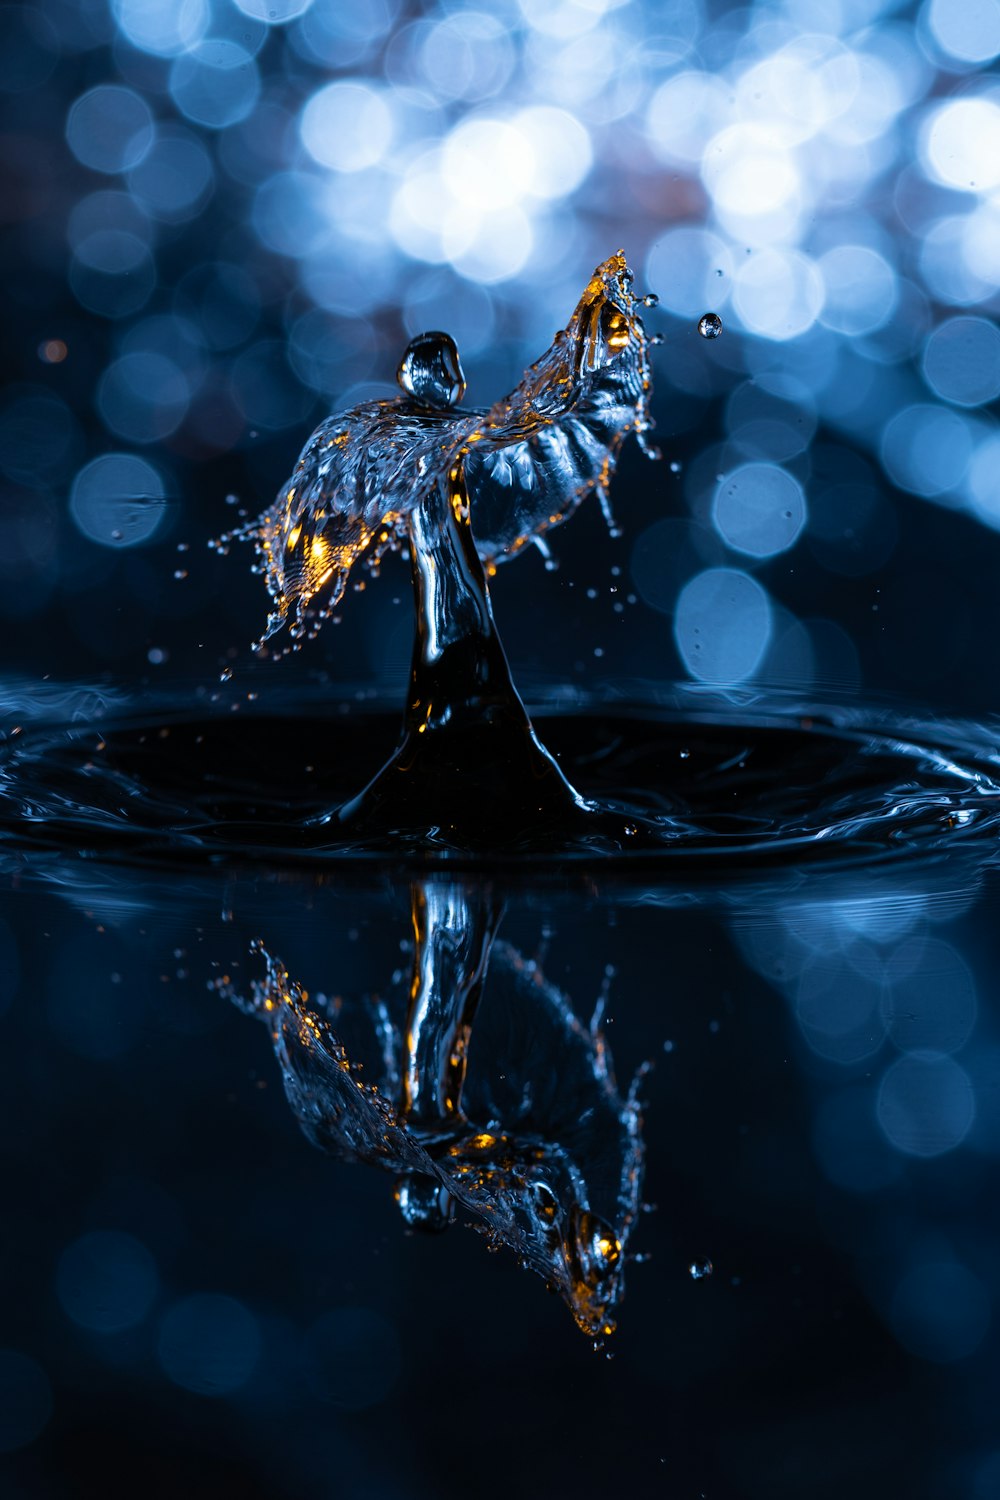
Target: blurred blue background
226	219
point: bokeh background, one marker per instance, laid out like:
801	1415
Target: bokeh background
226	219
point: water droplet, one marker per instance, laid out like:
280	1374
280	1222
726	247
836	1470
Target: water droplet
430	370
226	675
180	573
685	754
668	1046
675	467
424	1203
156	656
651	300
710	326
699	1269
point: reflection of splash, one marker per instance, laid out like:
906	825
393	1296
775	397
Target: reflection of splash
534	1139
527	463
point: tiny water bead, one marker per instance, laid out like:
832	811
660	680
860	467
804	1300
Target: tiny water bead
710	326
698	1270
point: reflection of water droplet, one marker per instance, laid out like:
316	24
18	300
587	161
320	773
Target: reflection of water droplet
710	326
424	1203
699	1269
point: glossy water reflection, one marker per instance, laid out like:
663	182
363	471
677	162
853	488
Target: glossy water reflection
820	1131
531	1137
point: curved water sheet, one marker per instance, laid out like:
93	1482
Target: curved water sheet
684	780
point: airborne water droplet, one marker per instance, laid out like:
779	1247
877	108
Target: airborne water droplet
431	371
710	326
699	1269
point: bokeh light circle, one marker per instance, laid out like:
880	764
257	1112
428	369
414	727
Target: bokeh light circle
962	361
143	397
106	1281
347	126
118	500
722	625
683	269
273	12
961	144
926	1104
968	31
561	153
467	55
926	449
110	129
209	1344
215	84
759	509
932	1004
174	178
860	289
940	1312
683	115
778	294
163	28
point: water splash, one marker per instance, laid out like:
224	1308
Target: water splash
525	1129
412	471
373	479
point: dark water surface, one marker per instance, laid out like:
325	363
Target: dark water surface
207	1304
716	786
